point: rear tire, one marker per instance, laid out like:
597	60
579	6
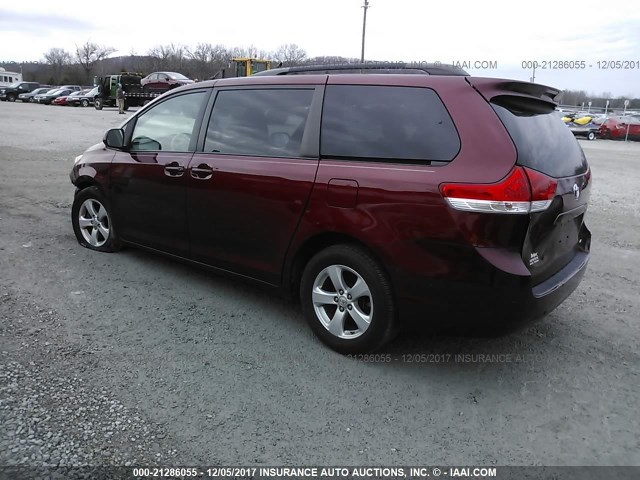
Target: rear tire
92	221
84	102
347	299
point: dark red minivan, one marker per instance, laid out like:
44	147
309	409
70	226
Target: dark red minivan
375	198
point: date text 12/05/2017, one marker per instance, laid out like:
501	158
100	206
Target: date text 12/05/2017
581	64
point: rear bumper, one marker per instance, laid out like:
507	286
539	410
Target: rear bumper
575	267
494	297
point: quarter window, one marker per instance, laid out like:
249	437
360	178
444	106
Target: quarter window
169	126
558	155
262	122
387	123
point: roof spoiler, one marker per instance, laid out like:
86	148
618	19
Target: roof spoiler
517	95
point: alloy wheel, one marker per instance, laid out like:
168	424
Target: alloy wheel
94	223
342	301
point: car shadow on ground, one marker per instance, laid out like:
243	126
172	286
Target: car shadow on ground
426	343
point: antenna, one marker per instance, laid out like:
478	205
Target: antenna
364	27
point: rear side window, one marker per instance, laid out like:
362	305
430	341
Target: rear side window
543	141
261	122
387	123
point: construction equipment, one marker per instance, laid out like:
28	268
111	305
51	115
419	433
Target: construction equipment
243	67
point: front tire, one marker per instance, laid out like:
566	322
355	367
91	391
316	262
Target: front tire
11	98
98	104
92	221
591	136
347	299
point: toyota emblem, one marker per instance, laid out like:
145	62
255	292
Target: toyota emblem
576	191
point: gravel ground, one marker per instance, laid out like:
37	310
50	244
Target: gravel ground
130	358
49	413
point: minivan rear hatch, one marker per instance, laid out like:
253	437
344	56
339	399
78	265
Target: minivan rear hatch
544	144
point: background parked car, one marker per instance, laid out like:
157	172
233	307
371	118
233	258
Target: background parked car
36	98
617	127
64	100
29	96
163	81
84	99
50	96
71	87
11	92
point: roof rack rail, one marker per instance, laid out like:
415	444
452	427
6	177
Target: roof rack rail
422	68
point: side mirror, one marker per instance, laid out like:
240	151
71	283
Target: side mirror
114	138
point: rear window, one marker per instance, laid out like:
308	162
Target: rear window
543	141
387	123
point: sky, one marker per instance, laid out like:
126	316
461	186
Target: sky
502	33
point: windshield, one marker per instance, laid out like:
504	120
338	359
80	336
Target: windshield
51	92
14	84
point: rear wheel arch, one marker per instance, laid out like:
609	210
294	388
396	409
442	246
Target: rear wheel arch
315	244
358	323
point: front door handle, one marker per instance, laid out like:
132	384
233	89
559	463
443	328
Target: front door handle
173	169
202	172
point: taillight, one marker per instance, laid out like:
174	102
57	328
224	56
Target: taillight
522	191
543	189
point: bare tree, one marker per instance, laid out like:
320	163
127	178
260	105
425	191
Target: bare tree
245	52
169	57
58	59
207	59
89	53
290	55
160	55
251	52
